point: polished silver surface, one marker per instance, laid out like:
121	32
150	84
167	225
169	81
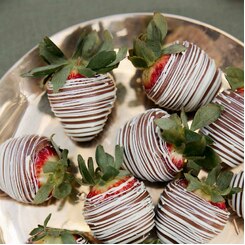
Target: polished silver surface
24	109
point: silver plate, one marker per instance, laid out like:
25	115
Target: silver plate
24	109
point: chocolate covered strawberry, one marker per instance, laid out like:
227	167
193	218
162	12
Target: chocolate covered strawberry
237	200
47	235
157	145
34	169
174	76
192	210
118	208
227	131
80	90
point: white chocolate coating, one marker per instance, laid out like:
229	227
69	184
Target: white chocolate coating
145	154
83	105
125	218
227	131
82	240
237	200
17	168
183	217
188	80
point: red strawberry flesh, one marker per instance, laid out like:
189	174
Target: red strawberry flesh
46	154
220	205
151	75
176	157
96	190
74	74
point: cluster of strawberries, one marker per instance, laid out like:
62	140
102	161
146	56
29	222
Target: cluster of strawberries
154	146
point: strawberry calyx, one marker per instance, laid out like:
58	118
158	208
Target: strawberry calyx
53	174
107	175
185	146
215	188
151	74
48	235
149	51
235	77
94	54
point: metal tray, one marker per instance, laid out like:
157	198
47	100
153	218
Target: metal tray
24	109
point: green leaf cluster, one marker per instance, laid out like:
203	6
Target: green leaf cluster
235	77
60	179
108	166
94	54
216	185
148	47
192	145
53	235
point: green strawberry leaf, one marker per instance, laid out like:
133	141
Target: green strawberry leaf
173	132
184	118
62	190
110	173
235	77
60	78
216	197
118	156
224	179
46	221
107	44
110	160
44	70
91	45
205	115
155	47
144	52
225	192
91	167
43	193
211	159
174	49
157	24
57	149
50	52
86	71
67	238
101	158
195	144
106	69
101	60
194	182
235	190
50	167
36	231
80	43
208	140
138	62
38	237
212	175
87	178
192	167
121	54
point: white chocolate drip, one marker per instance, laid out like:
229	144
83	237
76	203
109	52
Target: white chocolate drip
17	168
145	154
188	80
83	105
237	200
183	217
227	131
127	217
